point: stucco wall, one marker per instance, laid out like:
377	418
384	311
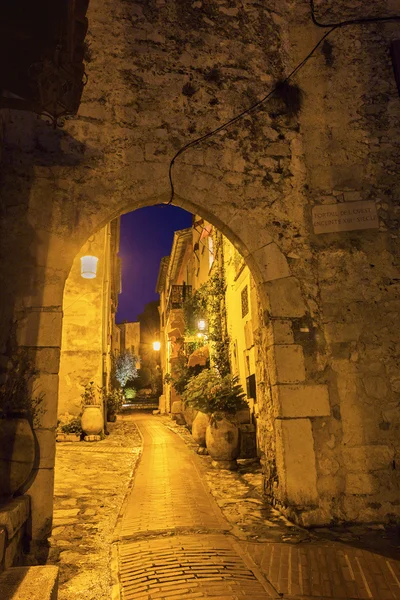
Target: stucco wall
85	323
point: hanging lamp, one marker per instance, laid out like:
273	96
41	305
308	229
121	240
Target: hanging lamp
89	263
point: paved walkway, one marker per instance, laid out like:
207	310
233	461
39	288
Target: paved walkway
174	543
91	481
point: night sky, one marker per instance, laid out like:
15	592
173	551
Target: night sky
146	236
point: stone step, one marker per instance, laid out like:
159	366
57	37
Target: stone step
29	583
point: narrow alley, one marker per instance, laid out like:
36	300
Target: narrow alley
172	540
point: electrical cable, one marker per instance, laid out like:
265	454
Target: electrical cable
332	27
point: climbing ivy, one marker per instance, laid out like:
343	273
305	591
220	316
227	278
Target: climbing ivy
208	302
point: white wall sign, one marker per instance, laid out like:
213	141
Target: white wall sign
345	216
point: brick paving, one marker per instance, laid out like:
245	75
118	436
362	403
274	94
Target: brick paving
174	542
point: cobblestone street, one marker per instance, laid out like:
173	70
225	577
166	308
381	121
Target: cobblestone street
91	481
176	540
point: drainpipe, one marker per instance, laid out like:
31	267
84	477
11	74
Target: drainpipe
105	315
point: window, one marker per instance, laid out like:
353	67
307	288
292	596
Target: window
251	387
245	301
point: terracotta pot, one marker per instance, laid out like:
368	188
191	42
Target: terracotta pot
17	454
199	427
222	440
92	420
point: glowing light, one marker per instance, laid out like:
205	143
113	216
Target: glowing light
89	266
156	346
201	325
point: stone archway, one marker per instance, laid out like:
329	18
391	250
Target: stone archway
159	75
286	434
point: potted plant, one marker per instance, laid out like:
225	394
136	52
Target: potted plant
20	409
70	431
92	415
179	377
219	398
114	401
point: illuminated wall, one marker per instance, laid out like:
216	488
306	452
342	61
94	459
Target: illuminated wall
87	325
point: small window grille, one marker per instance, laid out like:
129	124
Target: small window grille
245	301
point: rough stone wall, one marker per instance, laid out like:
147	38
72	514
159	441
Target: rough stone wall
350	130
161	74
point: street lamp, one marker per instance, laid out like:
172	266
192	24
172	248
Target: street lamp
156	346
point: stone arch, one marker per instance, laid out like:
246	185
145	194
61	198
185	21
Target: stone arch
281	303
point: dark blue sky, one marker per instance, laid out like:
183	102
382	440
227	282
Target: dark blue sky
146	236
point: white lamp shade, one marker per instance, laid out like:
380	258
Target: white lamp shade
156	346
89	266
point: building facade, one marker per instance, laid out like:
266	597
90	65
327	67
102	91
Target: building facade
129	337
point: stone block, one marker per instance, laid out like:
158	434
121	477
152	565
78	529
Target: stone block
367	458
361	483
301	400
14	548
155	152
47	360
375	386
47	384
3	542
280	332
47	448
337	333
40	328
94	110
352	418
284	298
14	514
134	154
296	461
29	583
286	364
347	177
40	489
247	229
277	149
271	262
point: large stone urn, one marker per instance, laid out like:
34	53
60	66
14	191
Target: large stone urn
189	414
17	454
177	412
222	441
92	420
199	427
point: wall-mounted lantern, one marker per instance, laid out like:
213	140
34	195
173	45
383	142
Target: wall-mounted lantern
156	346
89	264
201	325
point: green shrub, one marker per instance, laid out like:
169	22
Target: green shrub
211	393
73	426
